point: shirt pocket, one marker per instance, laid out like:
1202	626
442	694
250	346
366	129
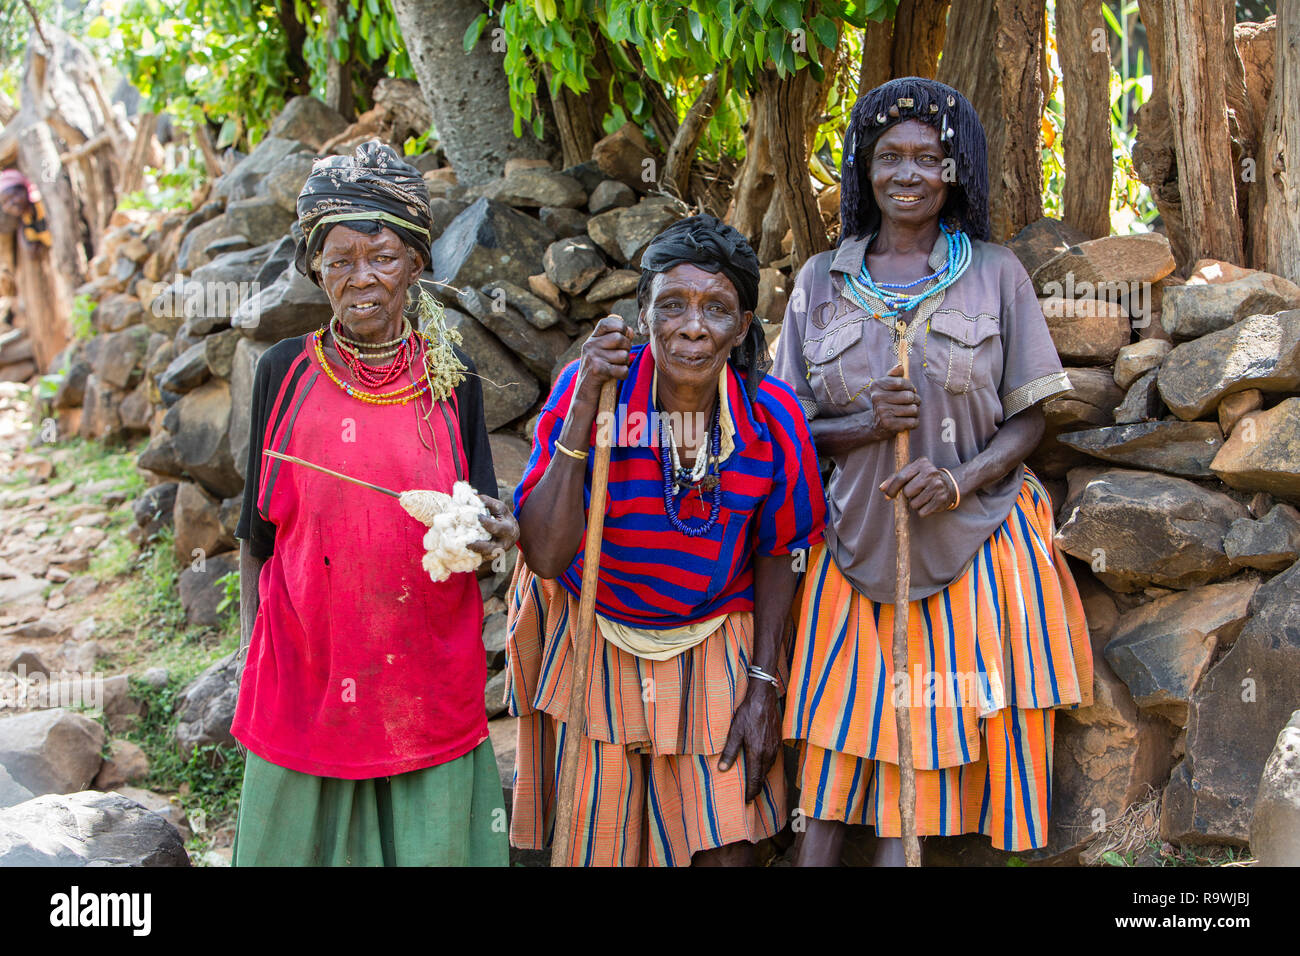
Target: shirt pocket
833	383
960	350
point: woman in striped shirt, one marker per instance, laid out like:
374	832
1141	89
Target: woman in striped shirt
714	494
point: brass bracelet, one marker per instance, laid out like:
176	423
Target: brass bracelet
580	455
956	490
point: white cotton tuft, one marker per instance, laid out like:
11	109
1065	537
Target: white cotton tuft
453	523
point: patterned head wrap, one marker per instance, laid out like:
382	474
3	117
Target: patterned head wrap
960	133
369	190
709	244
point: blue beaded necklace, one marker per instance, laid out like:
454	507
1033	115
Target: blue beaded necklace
713	479
893	295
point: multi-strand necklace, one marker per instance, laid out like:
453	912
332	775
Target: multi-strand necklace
896	295
712	482
355	352
398	396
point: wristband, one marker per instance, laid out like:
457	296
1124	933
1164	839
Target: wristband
580	455
956	490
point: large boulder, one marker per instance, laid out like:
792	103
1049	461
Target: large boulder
1192	310
533	188
1262	351
573	264
285	180
487	241
100	411
1271	543
1163	648
260	219
308	120
640	224
625	155
1275	822
1086	331
1141	401
87	829
509	388
206	707
243	181
1179	448
1091	400
120	359
197	515
243	367
11	791
1137	529
1105	265
153	509
200	591
51	751
291	305
536	348
199	425
186	371
1263	452
1138	358
539	313
1042	240
1233	719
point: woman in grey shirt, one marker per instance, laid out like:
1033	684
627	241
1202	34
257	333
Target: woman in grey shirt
996	633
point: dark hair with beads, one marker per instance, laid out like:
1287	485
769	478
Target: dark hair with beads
960	133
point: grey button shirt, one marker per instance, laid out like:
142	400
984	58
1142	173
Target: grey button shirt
978	353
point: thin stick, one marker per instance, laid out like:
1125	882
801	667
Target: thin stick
355	481
902	590
565	821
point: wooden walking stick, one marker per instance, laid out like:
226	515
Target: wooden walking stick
580	649
902	588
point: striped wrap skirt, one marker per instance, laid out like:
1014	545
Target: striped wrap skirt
649	791
989	659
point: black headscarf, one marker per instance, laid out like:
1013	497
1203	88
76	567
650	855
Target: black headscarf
710	244
960	133
370	190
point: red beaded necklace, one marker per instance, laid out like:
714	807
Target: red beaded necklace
376	376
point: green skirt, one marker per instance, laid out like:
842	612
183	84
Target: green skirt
449	815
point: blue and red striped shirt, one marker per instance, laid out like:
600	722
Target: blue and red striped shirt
652	575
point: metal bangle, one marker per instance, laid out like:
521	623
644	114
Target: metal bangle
956	490
580	455
758	673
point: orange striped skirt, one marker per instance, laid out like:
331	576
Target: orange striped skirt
989	658
648	784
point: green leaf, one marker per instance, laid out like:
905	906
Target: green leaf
825	30
697	27
634	97
1112	858
99	28
761	7
787	14
475	31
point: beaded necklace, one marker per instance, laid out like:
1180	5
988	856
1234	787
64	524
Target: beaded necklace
893	294
375	376
398	396
670	504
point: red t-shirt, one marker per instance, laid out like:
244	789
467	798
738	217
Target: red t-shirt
360	666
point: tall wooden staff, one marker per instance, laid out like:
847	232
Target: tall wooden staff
580	650
902	588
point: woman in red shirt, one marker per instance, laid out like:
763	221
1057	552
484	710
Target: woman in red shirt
361	702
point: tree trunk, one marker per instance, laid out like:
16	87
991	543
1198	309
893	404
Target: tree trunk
786	99
677	167
1018	52
968	66
467	92
1254	45
919	30
338	73
755	182
1280	159
572	125
295	36
1154	160
1197	63
877	52
1085	71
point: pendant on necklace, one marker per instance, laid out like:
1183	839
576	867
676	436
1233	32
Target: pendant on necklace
709	482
